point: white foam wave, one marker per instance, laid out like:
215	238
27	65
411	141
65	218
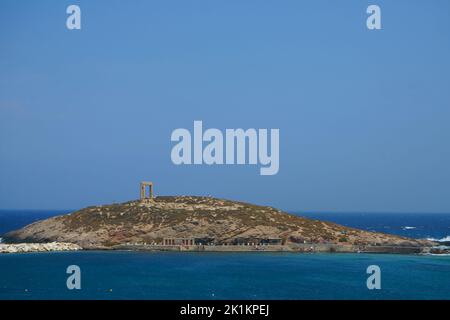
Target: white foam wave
445	239
408	228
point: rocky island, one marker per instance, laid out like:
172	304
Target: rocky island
194	223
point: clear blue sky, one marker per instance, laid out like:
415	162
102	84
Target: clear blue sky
364	116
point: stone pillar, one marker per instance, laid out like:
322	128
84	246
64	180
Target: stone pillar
142	191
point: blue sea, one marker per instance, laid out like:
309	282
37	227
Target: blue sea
164	275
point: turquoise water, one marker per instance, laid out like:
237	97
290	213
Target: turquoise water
143	275
140	275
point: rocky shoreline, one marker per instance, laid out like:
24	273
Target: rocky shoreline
38	247
293	248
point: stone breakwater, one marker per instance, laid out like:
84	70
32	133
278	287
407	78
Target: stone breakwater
38	247
297	248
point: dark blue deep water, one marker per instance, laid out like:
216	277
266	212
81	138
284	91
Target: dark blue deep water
154	275
434	226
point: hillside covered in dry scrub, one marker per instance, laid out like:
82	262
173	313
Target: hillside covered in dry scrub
216	220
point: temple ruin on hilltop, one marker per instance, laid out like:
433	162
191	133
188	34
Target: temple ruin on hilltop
143	191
